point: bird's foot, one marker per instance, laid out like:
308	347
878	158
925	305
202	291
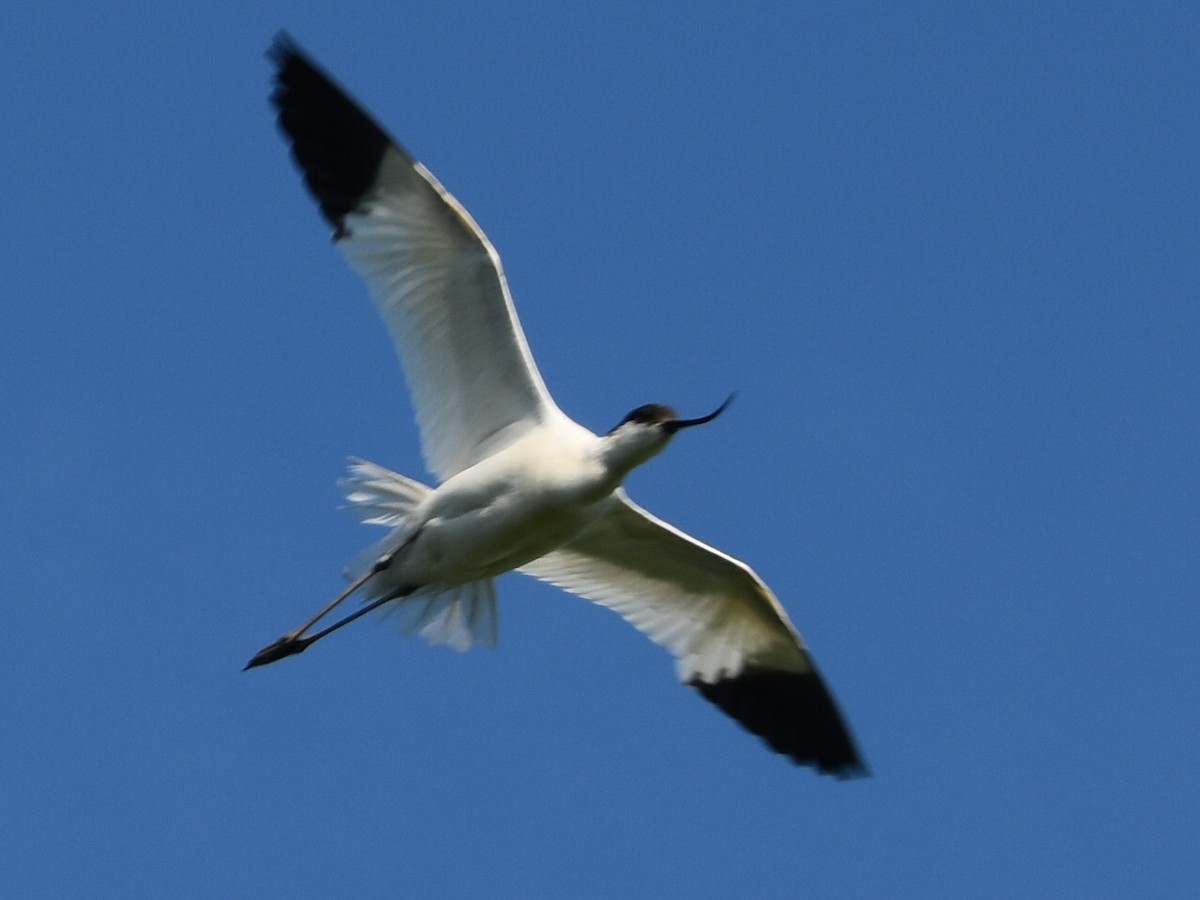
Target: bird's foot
287	645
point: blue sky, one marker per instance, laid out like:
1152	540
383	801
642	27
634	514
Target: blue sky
948	258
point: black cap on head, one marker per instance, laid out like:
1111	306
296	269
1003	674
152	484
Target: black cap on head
668	418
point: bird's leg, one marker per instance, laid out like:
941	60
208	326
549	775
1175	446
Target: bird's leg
292	642
361	611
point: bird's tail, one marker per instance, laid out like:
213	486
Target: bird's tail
379	496
458	615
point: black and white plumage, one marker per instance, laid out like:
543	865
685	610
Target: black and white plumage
521	486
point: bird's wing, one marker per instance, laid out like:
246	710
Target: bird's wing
432	272
731	638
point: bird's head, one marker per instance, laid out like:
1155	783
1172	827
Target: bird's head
645	432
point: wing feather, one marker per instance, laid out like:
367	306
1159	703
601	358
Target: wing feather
709	610
732	640
434	276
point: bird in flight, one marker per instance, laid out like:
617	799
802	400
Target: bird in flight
520	485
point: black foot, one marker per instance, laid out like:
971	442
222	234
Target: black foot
285	646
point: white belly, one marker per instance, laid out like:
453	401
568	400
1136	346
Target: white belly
501	514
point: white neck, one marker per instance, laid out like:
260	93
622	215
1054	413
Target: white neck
629	446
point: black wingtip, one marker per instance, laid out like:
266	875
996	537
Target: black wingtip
338	147
282	46
796	715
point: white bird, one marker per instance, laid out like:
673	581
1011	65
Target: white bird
521	486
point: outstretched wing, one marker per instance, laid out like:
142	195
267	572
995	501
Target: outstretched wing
432	272
731	638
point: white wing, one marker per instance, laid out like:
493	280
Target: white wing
712	612
432	273
731	638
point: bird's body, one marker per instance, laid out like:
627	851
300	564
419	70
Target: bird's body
507	510
521	485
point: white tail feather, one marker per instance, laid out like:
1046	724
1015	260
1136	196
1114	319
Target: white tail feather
379	496
456	615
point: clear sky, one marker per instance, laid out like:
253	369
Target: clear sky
949	260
